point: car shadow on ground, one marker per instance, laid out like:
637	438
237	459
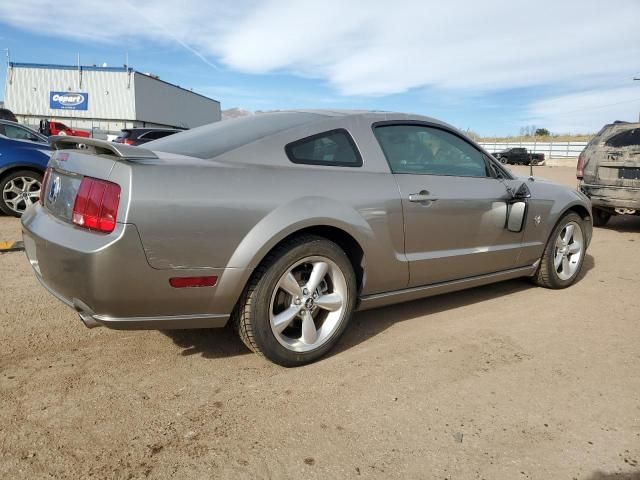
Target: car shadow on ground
370	323
622	223
223	342
614	476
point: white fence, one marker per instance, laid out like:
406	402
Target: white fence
550	149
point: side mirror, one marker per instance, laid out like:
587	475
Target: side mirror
515	216
522	192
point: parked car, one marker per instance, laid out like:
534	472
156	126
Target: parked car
23	159
608	171
519	156
20	132
58	128
6	114
286	222
138	136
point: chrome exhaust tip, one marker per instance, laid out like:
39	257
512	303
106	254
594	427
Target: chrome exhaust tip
85	314
88	320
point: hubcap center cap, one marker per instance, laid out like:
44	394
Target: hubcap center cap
308	303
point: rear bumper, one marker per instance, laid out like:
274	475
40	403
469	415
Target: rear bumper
108	281
612	196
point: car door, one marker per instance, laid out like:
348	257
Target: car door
454	207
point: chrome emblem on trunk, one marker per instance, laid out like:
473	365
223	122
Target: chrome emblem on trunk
54	190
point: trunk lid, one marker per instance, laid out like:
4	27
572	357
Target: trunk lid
75	158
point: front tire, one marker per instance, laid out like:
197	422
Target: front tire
503	160
298	302
564	254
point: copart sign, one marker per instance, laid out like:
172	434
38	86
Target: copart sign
68	100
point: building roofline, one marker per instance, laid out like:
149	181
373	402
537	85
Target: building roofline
91	68
69	67
177	86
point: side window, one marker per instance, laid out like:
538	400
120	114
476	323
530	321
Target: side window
19	133
625	139
335	148
422	150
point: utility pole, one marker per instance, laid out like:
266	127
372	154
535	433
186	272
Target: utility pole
637	79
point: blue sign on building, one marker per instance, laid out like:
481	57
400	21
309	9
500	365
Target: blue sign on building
68	100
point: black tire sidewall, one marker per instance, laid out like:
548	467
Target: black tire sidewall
7	178
556	281
263	335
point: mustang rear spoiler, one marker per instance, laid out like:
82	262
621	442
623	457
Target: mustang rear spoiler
100	147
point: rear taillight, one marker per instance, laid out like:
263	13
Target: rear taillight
43	187
128	141
580	167
96	205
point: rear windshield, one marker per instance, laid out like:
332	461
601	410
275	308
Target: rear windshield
630	138
217	138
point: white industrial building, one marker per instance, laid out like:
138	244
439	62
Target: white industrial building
104	99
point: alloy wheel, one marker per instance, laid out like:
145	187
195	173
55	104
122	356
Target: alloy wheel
568	251
308	304
20	193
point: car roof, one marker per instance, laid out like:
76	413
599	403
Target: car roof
214	139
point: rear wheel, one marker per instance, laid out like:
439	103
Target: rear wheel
564	254
19	190
298	302
600	217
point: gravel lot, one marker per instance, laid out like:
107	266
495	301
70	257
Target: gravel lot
501	382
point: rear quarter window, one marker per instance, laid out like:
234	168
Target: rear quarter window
333	148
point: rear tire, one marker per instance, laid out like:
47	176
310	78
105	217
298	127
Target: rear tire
292	313
564	254
600	217
19	190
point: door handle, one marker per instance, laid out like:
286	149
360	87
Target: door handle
421	197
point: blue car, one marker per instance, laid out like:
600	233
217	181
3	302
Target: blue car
24	155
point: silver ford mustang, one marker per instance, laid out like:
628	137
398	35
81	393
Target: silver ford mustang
286	222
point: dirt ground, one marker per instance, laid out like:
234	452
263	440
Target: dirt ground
507	381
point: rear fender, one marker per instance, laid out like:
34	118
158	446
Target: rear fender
295	216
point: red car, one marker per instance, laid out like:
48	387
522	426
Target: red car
57	128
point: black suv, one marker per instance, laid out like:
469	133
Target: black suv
138	136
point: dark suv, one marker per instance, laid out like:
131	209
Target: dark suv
609	171
138	136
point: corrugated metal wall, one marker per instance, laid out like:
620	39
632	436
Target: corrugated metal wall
156	99
111	93
117	98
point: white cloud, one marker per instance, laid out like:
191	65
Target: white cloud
375	47
586	111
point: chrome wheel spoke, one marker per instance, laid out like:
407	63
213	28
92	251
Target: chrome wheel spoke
330	301
565	266
309	332
574	248
284	318
290	285
317	274
568	233
557	260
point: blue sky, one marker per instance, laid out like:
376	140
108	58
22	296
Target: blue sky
492	70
